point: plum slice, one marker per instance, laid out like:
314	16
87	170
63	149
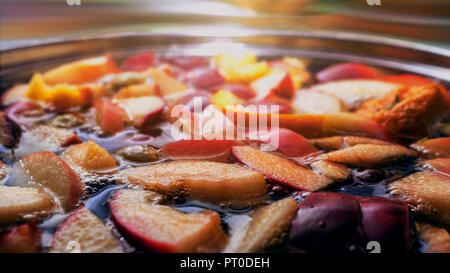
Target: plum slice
280	170
161	228
88	231
213	182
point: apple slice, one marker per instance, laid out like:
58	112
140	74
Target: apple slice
276	84
344	71
280	170
49	172
355	92
338	142
211	150
15	93
137	90
313	102
164	229
89	232
83	71
336	172
205	77
139	62
110	117
167	84
144	111
368	155
438	164
220	183
18	203
240	90
20	239
433	148
269	226
89	155
427	192
437	239
224	98
296	69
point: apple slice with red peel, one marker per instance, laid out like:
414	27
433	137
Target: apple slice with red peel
433	148
277	84
240	90
386	221
211	150
167	84
334	171
295	67
344	71
214	182
280	170
368	155
437	239
438	164
137	90
17	203
427	192
83	71
14	94
313	102
405	79
186	62
89	232
354	92
286	141
49	172
269	226
205	77
139	62
110	117
338	142
144	111
89	155
20	239
164	229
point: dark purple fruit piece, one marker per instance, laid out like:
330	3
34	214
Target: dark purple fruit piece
386	221
9	131
362	175
326	222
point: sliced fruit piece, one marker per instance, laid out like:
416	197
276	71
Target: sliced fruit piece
144	111
23	113
205	77
167	84
45	138
139	153
110	116
89	232
326	222
49	172
83	71
224	98
336	172
241	68
137	90
280	170
8	135
427	192
338	142
355	92
313	102
344	71
276	84
368	155
386	221
19	202
164	229
295	67
438	164
211	150
240	90
20	239
186	62
284	140
437	240
213	182
91	156
405	79
15	93
433	148
139	62
196	101
269	226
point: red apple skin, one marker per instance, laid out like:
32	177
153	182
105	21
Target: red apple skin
205	77
405	79
186	62
139	62
109	116
385	220
20	239
347	71
240	90
211	150
290	143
